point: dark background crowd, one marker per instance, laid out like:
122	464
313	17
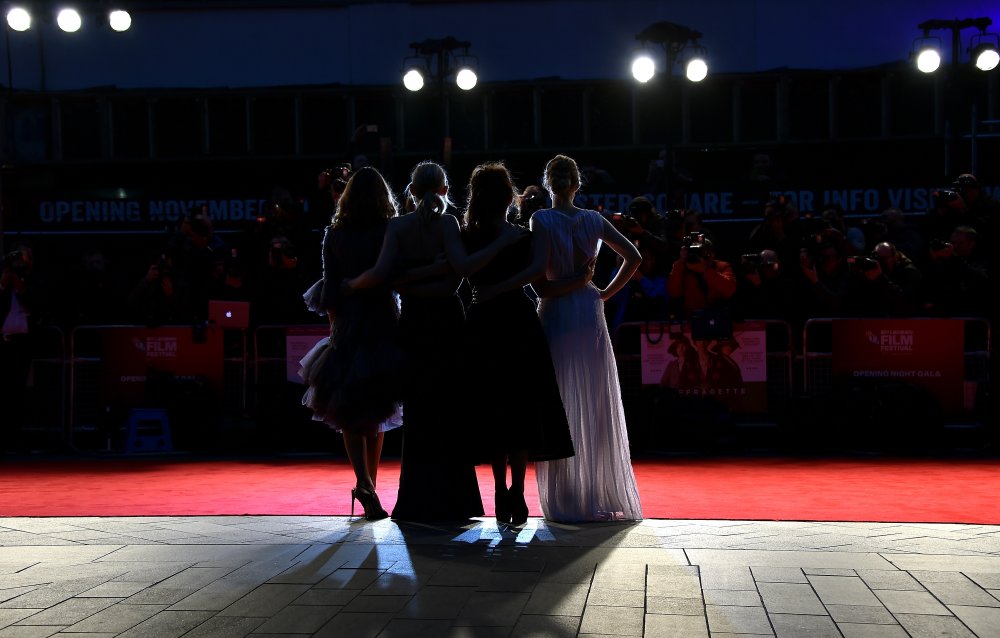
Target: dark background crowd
788	265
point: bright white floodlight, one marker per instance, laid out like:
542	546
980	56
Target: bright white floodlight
69	20
643	68
928	60
696	69
413	80
466	79
120	20
987	59
19	19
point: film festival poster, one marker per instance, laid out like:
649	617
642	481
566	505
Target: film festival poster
731	370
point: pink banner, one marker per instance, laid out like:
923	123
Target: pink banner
733	371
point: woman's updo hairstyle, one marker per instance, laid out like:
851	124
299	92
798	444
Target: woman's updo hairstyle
561	175
426	183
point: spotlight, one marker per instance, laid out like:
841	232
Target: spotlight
928	54
696	68
983	48
987	59
120	20
69	20
19	19
466	79
413	80
643	68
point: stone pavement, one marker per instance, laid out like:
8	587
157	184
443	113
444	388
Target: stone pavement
335	576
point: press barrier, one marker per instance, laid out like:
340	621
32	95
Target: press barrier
85	390
194	372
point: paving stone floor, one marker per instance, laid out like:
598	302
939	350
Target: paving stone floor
335	576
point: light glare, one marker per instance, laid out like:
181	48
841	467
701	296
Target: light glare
643	68
19	19
697	70
120	20
69	20
929	60
466	79
413	80
987	60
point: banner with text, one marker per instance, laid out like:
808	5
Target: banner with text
175	354
732	371
929	353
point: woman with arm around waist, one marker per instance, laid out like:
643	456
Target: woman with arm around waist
597	484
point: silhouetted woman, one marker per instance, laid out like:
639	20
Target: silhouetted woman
354	375
513	397
437	479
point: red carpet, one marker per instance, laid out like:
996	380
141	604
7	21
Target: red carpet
891	490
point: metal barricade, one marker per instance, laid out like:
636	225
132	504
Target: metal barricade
88	408
642	402
46	388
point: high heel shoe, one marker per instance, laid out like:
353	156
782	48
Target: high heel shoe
518	509
369	503
501	504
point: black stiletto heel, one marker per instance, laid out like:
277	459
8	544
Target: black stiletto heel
501	504
519	510
369	503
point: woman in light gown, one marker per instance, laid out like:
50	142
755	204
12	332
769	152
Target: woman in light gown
597	484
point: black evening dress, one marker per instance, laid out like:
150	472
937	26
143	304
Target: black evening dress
512	394
437	479
354	376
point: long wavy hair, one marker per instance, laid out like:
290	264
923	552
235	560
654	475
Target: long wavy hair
490	194
427	182
366	200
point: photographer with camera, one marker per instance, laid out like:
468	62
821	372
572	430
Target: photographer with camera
824	279
161	297
532	199
884	283
764	290
699	281
957	278
17	301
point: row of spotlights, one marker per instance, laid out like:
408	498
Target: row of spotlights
644	68
466	79
929	59
69	20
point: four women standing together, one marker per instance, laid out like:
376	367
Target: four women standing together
498	386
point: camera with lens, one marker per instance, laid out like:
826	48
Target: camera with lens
338	177
937	245
947	198
862	264
695	244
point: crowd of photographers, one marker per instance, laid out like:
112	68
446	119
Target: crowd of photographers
794	266
791	266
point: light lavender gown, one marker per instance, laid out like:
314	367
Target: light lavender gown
597	484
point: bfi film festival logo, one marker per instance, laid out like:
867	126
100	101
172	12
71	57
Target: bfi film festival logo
891	341
158	347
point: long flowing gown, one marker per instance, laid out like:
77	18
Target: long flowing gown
511	386
437	478
597	484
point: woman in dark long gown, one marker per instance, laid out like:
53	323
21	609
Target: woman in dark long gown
437	479
353	376
512	391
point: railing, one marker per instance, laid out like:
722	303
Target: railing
74	391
